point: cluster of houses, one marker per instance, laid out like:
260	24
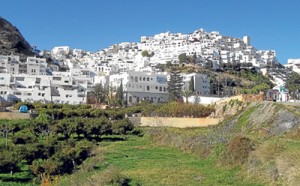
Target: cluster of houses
71	73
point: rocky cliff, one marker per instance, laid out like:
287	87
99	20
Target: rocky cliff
12	41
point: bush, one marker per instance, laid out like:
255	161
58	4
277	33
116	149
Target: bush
110	176
122	126
175	109
237	151
23	138
9	160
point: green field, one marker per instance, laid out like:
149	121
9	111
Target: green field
143	162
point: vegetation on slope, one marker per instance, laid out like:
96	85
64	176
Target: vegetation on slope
249	148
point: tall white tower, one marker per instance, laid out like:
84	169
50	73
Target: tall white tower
246	40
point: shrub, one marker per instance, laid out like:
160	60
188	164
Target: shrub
23	138
122	126
110	176
175	109
237	150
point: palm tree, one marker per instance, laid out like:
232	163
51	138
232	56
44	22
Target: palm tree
186	94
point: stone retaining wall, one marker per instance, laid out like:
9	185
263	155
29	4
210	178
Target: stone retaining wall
178	122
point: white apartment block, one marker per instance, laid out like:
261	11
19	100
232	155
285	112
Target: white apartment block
140	86
25	87
201	83
60	52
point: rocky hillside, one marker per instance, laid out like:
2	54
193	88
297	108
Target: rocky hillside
264	141
261	139
12	41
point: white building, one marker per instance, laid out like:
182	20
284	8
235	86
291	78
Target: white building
294	64
146	86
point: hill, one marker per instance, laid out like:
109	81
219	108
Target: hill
12	41
247	148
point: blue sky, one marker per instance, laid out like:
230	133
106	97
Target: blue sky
96	24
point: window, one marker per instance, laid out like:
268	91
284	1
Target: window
20	78
136	79
147	78
57	78
39	94
165	89
148	87
160	89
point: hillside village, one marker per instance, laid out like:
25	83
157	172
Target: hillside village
197	108
65	75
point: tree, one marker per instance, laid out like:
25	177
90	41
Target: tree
122	126
145	53
186	94
41	125
182	58
9	160
191	84
120	94
293	83
193	59
175	84
99	92
6	127
65	127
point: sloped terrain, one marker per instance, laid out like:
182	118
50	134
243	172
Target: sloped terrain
264	141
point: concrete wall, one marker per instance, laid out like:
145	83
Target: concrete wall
203	99
178	122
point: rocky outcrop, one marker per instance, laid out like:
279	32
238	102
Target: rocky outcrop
12	41
228	108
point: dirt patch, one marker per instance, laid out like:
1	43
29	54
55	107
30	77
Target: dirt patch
13	115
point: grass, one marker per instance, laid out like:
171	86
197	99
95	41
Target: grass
22	177
146	163
243	120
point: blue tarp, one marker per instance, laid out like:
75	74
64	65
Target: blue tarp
23	109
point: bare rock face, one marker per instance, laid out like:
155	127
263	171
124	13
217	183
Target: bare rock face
12	41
